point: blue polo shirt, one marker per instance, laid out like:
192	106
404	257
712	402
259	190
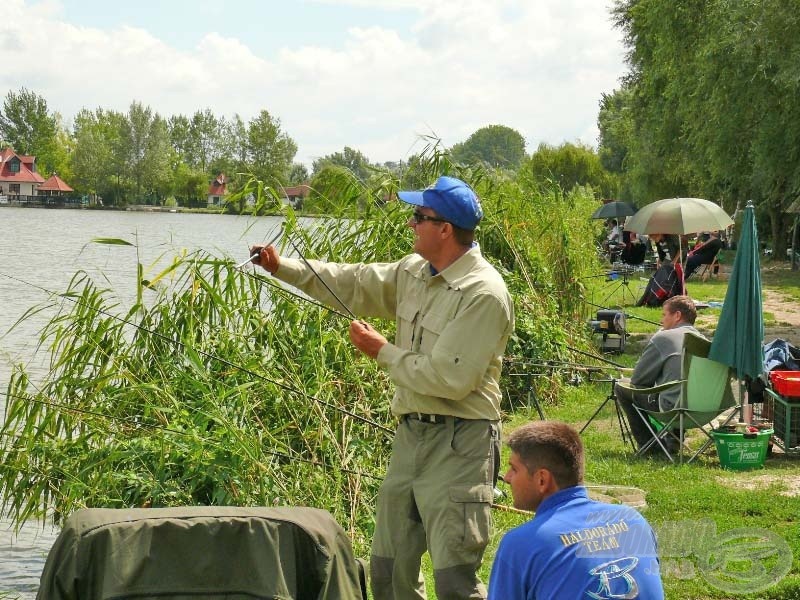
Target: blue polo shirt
575	547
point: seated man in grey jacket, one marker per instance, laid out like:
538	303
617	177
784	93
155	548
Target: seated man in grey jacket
660	362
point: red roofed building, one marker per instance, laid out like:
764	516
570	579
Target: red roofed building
295	195
55	186
217	190
18	176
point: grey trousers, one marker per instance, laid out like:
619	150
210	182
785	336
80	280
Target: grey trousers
437	496
647	401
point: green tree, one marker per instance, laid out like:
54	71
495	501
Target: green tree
157	178
189	185
99	160
299	174
349	158
614	122
27	125
568	166
270	150
180	136
233	150
205	131
91	158
494	145
714	85
136	134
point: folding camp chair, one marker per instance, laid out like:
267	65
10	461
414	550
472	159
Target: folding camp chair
709	270
705	393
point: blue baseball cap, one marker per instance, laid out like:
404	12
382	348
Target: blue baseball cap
452	199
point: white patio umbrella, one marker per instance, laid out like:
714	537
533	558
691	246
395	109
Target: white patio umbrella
679	216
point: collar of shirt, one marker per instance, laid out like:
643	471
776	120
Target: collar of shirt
463	265
552	503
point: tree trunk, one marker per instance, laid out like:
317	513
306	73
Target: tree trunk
780	227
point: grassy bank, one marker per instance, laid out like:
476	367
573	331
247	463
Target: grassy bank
692	507
219	387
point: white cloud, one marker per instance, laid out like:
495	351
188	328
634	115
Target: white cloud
537	66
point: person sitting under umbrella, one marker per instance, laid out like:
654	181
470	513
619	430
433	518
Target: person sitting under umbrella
703	253
635	249
613	243
668	279
667	247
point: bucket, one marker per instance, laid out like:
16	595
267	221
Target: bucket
741	451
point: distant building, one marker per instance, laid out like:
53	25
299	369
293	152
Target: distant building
295	195
55	186
218	190
18	176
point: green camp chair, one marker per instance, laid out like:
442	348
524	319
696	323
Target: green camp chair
705	394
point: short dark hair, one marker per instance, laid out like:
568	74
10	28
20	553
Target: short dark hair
551	445
685	305
465	237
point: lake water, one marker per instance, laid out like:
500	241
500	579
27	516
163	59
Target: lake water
41	250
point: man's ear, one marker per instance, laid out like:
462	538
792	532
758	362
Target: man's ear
447	230
544	480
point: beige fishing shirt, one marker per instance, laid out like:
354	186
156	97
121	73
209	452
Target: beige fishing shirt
452	327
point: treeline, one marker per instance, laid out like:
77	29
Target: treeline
709	107
141	157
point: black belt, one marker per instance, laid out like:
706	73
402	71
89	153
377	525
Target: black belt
437	419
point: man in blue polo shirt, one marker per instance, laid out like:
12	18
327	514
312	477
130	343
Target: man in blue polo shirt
574	547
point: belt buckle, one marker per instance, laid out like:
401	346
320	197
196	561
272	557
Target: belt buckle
425	418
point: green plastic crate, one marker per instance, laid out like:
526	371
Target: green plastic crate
785	417
740	451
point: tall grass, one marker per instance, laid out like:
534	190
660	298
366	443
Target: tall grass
217	387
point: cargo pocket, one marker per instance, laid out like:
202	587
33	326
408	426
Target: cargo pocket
473	506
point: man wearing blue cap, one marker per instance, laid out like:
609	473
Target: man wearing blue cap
454	316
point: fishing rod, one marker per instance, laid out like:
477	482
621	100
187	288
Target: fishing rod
155	427
271	282
551	364
255	256
352	315
322	281
224	361
589	354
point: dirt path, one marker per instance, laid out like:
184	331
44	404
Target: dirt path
787	316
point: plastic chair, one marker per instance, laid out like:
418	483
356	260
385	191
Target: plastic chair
705	394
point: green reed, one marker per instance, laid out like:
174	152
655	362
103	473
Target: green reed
216	387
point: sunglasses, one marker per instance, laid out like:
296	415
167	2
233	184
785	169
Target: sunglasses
418	218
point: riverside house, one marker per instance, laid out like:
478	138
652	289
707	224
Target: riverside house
18	177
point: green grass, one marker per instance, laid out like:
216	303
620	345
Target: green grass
689	505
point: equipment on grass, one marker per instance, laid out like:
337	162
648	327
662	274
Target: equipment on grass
610	326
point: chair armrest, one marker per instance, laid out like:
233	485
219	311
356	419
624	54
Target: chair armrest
650	390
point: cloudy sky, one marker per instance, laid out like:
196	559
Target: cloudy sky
375	75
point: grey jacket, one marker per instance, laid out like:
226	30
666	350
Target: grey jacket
661	362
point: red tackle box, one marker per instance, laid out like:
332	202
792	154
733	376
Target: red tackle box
785	383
